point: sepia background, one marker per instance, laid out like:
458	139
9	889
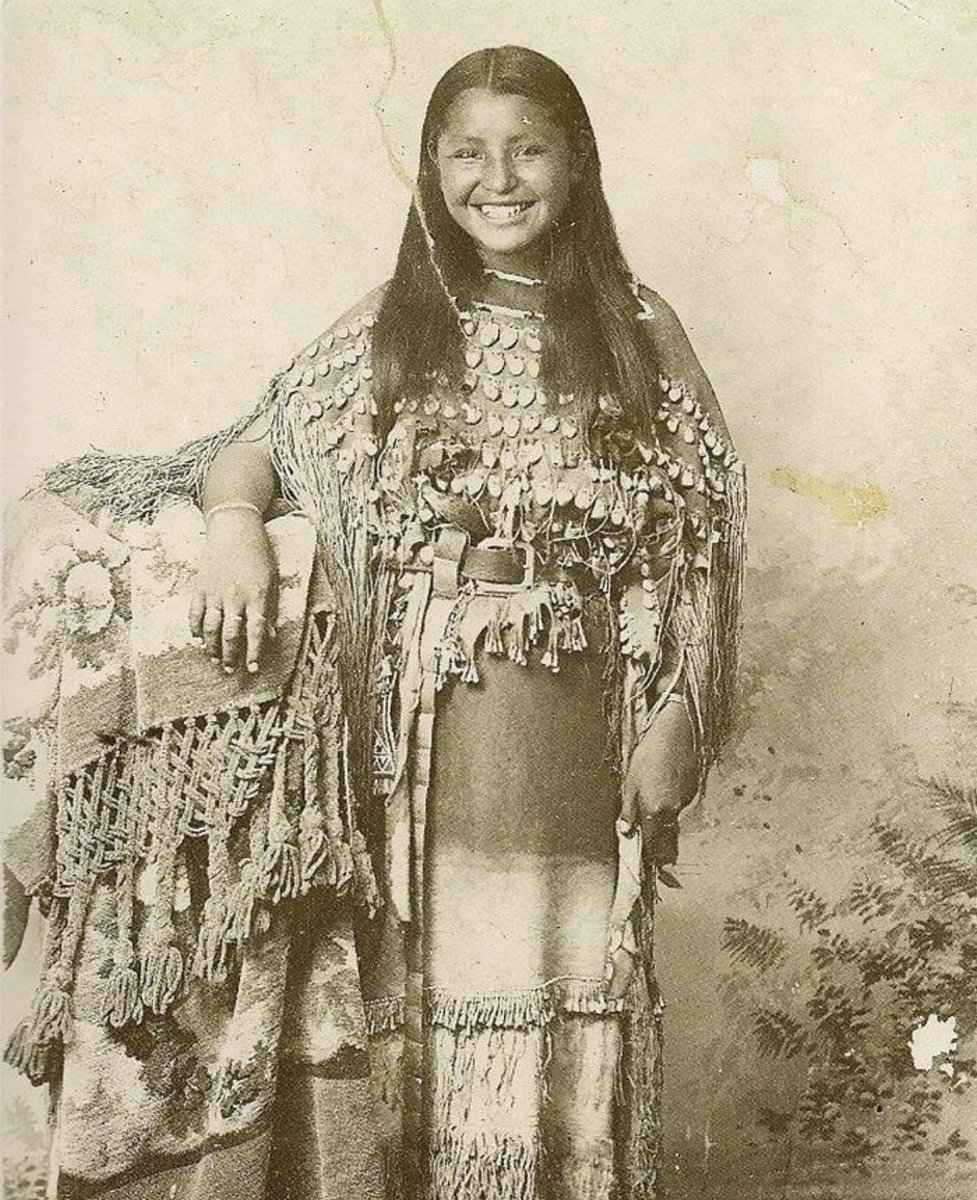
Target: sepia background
194	190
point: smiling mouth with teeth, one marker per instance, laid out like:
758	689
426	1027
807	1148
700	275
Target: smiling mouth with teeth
504	212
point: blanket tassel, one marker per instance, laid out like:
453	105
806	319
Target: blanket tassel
34	1047
281	875
121	1002
37	1061
162	975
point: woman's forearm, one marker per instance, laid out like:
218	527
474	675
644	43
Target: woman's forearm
241	471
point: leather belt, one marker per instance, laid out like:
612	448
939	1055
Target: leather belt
495	565
502	563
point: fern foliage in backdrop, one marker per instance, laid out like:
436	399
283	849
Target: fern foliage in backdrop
833	976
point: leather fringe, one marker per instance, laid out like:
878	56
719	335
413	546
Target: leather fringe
526	1009
384	1015
483	1167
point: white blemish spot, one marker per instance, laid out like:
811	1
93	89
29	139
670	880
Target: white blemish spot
766	180
931	1040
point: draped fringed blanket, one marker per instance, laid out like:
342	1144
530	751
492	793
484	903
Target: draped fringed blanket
180	814
371	923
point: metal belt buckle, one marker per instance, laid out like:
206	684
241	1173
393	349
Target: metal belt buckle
528	571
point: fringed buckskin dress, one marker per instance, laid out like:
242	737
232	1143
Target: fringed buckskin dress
513	586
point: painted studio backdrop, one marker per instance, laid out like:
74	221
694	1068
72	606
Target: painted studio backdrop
194	190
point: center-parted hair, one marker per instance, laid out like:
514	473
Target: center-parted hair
594	344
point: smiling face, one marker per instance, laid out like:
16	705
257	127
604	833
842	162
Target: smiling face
505	169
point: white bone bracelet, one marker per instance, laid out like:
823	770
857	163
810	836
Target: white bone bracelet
231	505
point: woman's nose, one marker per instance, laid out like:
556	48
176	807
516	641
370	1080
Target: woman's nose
498	173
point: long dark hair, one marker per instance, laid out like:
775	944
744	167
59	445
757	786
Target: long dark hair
594	344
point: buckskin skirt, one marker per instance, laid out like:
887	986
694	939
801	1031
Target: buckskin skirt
521	1046
519	1078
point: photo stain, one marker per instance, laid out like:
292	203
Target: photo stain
854	504
387	31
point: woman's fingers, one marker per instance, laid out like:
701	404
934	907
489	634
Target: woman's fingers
659	837
629	801
211	629
198	606
271	611
230	635
255	630
232	630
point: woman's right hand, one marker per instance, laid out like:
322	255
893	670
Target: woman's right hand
661	779
235	604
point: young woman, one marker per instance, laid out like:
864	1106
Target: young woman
512	676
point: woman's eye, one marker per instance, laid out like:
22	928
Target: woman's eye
465	152
531	151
